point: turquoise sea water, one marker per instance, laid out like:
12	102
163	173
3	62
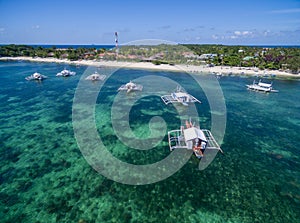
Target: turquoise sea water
44	177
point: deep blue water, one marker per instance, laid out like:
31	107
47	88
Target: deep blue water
44	177
63	46
276	46
112	46
77	46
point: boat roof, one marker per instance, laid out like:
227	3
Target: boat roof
194	133
264	84
181	94
130	84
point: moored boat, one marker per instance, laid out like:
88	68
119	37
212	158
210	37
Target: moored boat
193	138
179	96
96	77
130	86
261	86
65	73
36	76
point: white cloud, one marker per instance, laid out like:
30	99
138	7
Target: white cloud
234	35
246	33
254	35
35	27
242	33
215	36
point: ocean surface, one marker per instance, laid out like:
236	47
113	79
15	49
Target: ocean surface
63	46
44	177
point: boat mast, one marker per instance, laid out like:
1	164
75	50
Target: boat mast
116	41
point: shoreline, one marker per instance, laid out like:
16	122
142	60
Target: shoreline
218	70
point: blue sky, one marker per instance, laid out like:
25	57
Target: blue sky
252	22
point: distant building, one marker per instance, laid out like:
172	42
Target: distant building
64	56
207	56
51	54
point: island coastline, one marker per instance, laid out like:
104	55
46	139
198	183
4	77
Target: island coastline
195	69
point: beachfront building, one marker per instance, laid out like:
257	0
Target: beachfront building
207	56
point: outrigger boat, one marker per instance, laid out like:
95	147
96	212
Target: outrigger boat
130	86
260	86
66	73
193	138
179	96
36	76
96	77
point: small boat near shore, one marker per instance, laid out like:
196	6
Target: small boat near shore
193	138
96	77
130	86
179	96
65	73
219	75
261	86
36	76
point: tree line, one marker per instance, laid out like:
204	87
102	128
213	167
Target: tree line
274	58
70	53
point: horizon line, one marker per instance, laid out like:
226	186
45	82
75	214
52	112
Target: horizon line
96	44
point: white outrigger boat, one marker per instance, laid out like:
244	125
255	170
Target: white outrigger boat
193	138
96	77
130	86
65	73
260	86
179	96
36	76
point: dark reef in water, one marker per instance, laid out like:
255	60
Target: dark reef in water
45	178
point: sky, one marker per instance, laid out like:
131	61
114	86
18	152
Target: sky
232	22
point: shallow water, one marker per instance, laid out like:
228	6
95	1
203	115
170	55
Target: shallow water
44	177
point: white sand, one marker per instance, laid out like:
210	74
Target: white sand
224	70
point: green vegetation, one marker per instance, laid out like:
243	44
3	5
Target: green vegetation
276	58
157	54
70	53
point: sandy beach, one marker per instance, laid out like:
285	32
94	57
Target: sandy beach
219	70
